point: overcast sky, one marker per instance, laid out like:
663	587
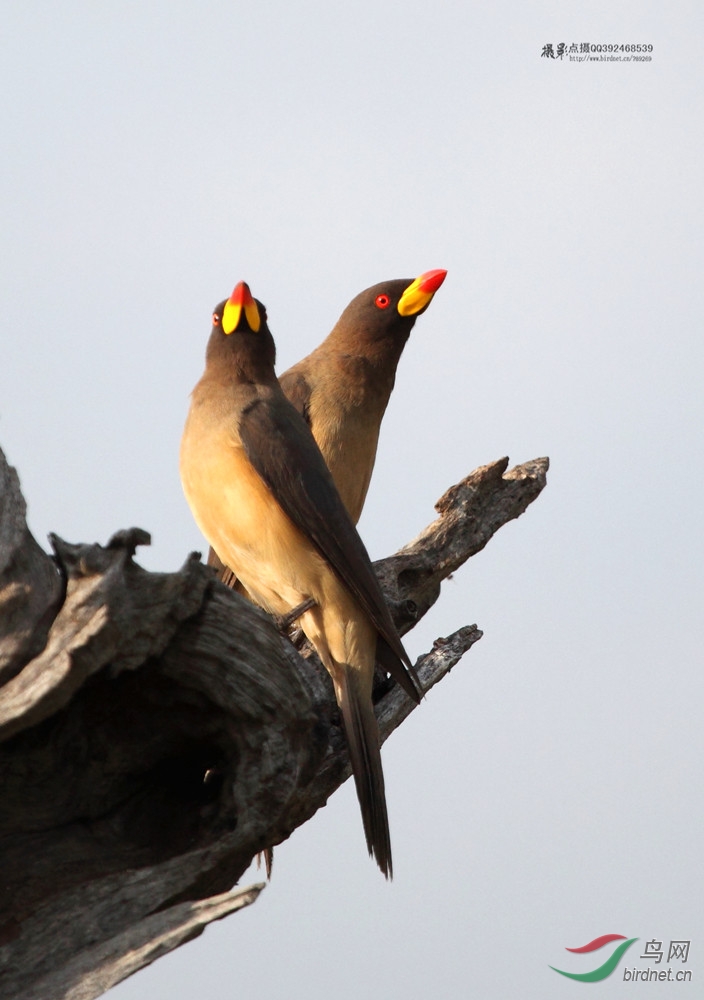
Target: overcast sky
155	153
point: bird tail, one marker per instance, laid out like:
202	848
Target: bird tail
224	572
363	740
394	665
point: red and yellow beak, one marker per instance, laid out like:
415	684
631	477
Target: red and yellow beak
420	292
240	299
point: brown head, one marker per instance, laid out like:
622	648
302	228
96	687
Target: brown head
384	314
241	344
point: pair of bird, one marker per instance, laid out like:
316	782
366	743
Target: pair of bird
276	473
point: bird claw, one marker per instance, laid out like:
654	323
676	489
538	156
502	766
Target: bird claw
284	622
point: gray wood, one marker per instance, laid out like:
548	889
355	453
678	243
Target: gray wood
30	585
157	732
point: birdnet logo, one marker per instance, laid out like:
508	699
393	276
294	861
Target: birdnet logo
596	975
653	954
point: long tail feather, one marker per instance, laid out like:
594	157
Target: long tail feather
363	740
403	675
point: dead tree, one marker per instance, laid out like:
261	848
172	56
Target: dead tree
157	732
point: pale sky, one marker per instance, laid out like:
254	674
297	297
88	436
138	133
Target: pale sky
549	790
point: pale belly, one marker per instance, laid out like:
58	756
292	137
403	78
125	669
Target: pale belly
277	563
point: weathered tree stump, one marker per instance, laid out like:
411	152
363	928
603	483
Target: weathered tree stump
156	733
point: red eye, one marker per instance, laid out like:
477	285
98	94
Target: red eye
216	319
382	301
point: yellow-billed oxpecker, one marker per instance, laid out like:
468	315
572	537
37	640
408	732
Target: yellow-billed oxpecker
262	495
343	387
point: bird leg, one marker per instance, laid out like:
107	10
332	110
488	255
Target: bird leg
284	622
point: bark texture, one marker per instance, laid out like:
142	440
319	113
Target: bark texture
157	732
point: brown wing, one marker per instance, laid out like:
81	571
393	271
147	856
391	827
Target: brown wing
297	390
282	449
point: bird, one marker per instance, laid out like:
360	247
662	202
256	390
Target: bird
343	387
264	498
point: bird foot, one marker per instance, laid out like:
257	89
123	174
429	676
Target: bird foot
284	622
